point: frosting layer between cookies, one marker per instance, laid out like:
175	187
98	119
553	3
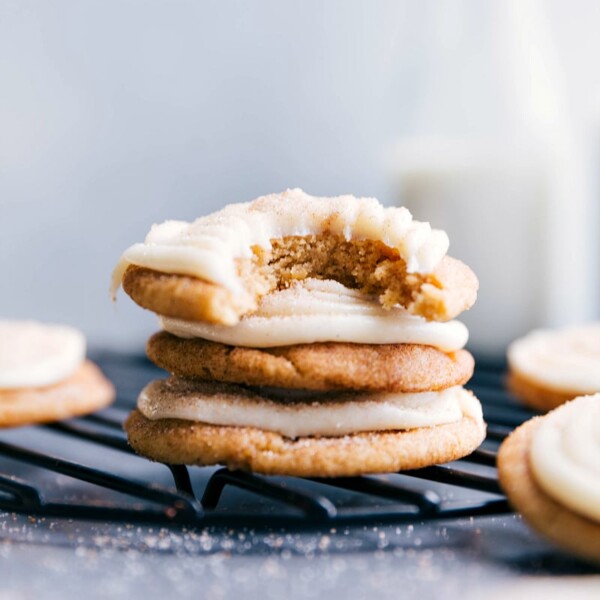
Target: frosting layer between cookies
36	354
324	311
208	247
317	415
565	455
567	360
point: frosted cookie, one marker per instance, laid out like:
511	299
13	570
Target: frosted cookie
314	310
550	470
366	347
319	366
179	422
548	368
217	268
44	375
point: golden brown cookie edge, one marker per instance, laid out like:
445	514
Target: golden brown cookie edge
322	366
85	391
534	395
175	441
453	289
183	296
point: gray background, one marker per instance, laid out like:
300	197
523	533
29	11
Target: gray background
116	115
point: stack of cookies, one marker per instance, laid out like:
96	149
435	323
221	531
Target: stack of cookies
305	336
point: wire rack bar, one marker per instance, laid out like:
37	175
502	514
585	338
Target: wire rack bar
387	499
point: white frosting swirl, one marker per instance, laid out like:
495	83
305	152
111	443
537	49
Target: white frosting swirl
565	455
324	311
208	247
567	360
321	415
36	354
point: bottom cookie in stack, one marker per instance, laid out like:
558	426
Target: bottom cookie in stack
181	421
321	409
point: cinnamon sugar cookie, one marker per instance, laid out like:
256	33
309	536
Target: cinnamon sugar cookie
548	368
548	468
83	392
185	441
323	366
44	375
218	267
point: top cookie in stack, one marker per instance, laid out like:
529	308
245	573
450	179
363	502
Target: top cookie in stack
344	301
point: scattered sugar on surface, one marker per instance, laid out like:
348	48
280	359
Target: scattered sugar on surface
145	561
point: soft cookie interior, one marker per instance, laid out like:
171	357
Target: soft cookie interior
366	265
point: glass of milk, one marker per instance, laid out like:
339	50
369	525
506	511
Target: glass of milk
492	158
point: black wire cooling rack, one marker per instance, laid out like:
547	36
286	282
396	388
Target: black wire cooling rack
464	488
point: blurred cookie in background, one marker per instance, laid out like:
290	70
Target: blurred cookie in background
549	468
44	375
550	367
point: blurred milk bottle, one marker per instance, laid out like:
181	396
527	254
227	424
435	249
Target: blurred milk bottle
492	157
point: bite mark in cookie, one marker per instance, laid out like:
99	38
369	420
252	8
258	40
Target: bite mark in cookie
339	300
255	248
